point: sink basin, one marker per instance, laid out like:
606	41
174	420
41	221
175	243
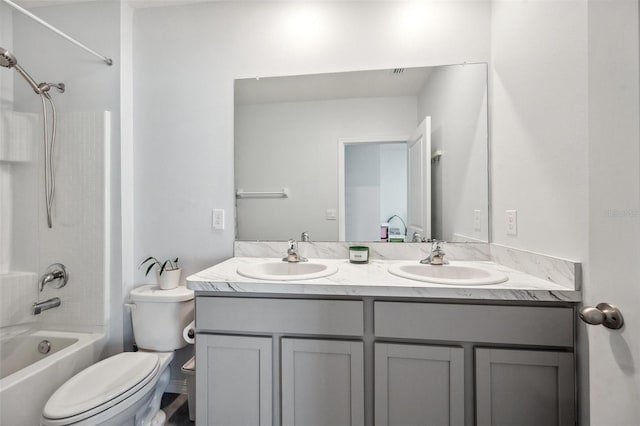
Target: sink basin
285	271
452	274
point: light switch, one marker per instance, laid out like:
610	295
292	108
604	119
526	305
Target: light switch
512	222
331	214
217	221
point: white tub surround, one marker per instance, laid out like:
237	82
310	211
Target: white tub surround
373	279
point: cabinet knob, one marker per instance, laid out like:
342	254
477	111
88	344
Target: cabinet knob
604	313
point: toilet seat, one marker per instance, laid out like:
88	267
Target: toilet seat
101	386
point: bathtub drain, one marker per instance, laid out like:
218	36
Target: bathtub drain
44	347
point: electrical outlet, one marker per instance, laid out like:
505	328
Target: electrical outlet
217	221
512	222
477	226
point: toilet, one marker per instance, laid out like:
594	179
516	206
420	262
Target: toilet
126	389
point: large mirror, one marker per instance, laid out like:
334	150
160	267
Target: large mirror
356	155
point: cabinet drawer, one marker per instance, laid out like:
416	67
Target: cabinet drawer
330	317
525	325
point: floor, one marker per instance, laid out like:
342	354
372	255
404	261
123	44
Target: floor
176	408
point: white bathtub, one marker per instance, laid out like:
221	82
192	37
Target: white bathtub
28	378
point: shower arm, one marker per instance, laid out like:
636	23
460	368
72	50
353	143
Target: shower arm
106	60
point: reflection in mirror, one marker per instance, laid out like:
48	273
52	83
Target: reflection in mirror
327	154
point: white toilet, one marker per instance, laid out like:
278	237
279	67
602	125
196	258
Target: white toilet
126	389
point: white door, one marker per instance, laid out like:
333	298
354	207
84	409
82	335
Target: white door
419	180
613	270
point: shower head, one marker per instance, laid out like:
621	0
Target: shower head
7	60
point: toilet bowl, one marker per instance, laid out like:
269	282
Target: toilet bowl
126	389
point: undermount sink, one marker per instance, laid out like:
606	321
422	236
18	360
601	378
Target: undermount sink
452	274
286	271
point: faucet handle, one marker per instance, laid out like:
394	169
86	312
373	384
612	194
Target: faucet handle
56	276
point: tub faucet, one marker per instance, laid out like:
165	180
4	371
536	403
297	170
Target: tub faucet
437	255
293	253
38	307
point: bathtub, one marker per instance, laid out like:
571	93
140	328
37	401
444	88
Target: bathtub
28	377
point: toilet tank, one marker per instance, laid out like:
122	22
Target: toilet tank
159	316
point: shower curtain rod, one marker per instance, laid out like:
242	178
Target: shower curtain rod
106	60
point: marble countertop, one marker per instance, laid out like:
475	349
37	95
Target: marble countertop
373	279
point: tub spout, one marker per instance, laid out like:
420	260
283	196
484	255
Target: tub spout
38	307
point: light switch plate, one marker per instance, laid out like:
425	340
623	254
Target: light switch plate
331	214
512	222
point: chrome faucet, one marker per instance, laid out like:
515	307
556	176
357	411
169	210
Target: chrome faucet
55	272
305	236
38	307
437	255
418	238
293	253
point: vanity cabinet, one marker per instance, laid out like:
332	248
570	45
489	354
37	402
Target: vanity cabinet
307	352
418	382
234	383
356	361
527	388
322	382
531	385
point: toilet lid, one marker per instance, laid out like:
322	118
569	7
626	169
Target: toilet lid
111	379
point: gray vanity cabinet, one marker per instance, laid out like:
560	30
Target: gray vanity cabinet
234	380
356	361
418	382
520	359
272	361
322	382
524	387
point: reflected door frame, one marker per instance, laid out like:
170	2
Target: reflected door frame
342	143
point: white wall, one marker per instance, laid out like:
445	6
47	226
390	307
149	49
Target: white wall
295	145
393	183
186	59
455	98
539	128
362	192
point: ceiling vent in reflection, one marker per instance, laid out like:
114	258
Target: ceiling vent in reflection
398	70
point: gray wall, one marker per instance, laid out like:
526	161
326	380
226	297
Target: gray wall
455	98
295	145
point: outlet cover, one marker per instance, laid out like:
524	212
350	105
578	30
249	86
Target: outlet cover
512	222
217	219
477	225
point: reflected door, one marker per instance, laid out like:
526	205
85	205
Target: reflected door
419	180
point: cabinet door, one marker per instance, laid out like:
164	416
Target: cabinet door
233	380
520	387
322	382
418	385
